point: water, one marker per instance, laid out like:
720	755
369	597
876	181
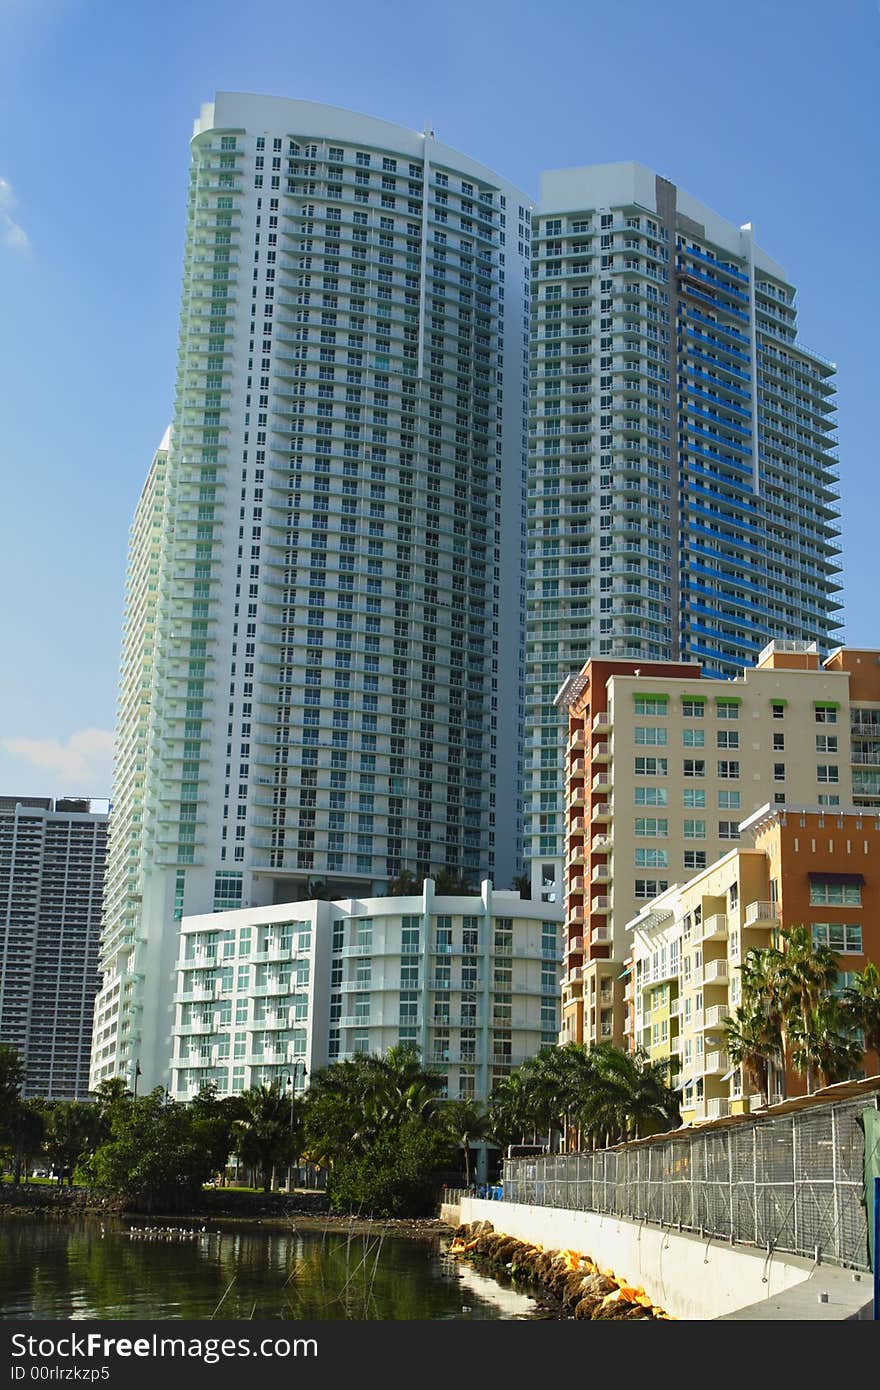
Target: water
87	1269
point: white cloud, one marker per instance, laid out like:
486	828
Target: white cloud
12	234
84	762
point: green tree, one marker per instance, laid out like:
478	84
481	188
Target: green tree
629	1097
822	1045
467	1123
861	1004
523	885
24	1135
762	996
152	1156
214	1118
376	1122
264	1136
11	1079
73	1130
394	1175
747	1045
807	976
510	1111
449	882
405	885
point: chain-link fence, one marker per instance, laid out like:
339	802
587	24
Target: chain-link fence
792	1183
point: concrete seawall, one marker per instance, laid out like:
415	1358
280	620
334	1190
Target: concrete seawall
692	1277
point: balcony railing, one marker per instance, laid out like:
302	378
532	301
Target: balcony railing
715	972
760	914
714	927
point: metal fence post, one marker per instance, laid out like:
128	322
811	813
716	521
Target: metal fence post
877	1249
755	1180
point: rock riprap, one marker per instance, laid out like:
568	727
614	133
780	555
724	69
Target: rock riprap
583	1289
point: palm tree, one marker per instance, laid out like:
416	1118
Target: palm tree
630	1097
822	1045
448	883
353	1103
405	885
861	1004
523	885
510	1117
807	976
403	1086
266	1132
555	1080
762	1002
468	1123
319	889
750	1047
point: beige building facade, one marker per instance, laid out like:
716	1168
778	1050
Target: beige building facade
663	765
802	866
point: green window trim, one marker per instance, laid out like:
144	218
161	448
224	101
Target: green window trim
728	699
648	695
779	702
826	704
695	699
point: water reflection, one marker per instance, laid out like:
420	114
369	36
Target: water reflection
89	1270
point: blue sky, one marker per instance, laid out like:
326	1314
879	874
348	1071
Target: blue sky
766	111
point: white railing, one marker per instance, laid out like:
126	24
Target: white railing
759	912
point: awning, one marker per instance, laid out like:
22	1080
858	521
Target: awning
826	704
728	1074
816	876
728	700
695	699
779	702
650	695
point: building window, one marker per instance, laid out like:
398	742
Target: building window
728	830
728	769
652	705
650	887
826	714
694	767
651	767
693	709
779	772
652	859
652	826
651	796
827	772
778	708
845	940
824	893
650	736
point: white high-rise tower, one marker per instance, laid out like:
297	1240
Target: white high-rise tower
322	674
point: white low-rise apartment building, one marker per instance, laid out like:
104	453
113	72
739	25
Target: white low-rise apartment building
276	992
